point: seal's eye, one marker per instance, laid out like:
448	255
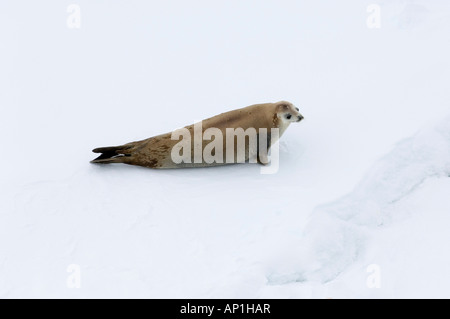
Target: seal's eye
297	109
288	116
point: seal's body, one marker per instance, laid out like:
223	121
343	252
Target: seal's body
156	152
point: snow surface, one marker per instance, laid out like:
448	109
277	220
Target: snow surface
140	68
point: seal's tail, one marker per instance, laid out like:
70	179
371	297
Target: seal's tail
113	154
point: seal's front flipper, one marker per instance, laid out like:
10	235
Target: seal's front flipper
263	159
264	143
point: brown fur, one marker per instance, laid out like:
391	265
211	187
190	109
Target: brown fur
155	152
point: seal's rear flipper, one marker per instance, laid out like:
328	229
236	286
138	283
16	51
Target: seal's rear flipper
117	159
114	154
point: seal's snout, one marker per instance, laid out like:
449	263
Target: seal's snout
300	117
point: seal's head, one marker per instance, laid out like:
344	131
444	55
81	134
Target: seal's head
287	113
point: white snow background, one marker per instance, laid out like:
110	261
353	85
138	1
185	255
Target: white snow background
363	181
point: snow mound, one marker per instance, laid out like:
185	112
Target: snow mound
337	234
